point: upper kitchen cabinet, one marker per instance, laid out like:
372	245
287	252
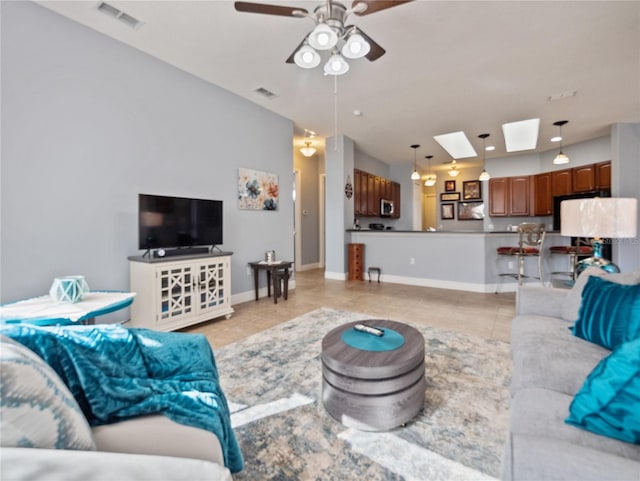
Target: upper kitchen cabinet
584	178
603	175
542	198
510	196
561	182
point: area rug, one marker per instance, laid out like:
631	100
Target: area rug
273	382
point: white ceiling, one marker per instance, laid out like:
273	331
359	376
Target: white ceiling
449	66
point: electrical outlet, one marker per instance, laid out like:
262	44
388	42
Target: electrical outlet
510	264
412	260
248	271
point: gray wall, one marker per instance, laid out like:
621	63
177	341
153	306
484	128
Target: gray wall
88	123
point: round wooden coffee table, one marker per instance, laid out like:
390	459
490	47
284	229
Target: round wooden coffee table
368	389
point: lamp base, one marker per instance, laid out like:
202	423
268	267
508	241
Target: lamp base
601	262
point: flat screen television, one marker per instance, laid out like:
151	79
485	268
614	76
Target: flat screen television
170	222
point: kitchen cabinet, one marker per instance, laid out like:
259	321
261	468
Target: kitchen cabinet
542	198
510	196
584	178
369	189
561	182
603	175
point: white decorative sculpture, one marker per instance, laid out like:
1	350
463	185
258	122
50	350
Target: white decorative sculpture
69	288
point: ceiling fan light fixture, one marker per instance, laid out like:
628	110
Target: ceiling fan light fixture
306	57
323	37
336	65
356	46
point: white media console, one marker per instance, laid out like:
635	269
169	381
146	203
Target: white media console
180	291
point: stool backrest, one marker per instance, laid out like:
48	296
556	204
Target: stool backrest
531	235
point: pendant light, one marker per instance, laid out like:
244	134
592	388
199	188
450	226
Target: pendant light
431	179
453	171
415	175
307	150
336	65
561	158
484	175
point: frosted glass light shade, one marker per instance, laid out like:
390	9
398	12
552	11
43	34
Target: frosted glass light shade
336	65
484	175
356	46
608	217
306	57
561	158
323	37
415	175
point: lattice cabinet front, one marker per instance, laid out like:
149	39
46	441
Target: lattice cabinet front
172	293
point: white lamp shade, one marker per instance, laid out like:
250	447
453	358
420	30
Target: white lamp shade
430	182
306	57
336	65
308	151
356	46
484	175
608	217
323	37
561	158
415	175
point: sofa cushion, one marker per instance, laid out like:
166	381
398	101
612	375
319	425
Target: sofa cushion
36	408
540	457
609	401
571	304
541	412
609	313
547	355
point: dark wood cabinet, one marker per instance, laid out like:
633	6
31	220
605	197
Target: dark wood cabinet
510	196
584	178
369	189
603	175
542	198
561	182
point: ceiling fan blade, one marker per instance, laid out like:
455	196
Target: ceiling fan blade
376	50
250	7
374	6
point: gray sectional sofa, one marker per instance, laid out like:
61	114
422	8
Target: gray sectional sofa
550	365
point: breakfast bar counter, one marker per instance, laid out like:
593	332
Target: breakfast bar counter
465	261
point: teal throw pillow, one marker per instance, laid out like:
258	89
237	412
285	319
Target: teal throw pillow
608	402
609	313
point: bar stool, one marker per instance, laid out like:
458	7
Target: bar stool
530	242
582	248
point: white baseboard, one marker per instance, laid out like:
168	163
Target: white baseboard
308	267
247	296
338	276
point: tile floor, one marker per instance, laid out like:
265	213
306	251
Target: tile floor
483	315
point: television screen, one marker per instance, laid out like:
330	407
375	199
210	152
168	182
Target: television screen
178	222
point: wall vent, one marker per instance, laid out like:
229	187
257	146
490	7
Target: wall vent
118	14
265	92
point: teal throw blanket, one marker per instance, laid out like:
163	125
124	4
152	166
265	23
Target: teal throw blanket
116	373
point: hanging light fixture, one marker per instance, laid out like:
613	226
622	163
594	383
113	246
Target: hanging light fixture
453	171
336	65
431	179
323	37
561	158
356	46
307	150
415	175
306	57
484	175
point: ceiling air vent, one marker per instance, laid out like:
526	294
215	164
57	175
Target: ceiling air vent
265	92
118	14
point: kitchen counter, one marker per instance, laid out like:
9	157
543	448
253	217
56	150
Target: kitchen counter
461	260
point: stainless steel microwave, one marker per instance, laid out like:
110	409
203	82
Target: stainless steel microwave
386	208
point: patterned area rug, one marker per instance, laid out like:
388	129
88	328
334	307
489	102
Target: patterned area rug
273	382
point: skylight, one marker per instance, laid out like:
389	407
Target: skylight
456	144
521	135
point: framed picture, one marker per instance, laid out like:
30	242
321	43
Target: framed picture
471	190
257	190
449	185
450	196
470	210
446	211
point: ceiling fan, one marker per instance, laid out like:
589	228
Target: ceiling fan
330	31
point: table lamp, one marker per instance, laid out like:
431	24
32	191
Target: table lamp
599	217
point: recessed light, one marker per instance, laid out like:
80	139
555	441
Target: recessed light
521	135
357	113
557	138
456	144
489	148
